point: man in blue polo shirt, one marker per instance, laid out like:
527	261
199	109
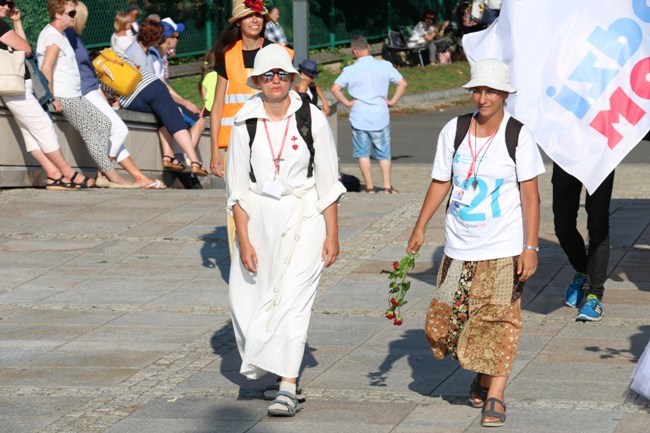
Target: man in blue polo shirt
367	82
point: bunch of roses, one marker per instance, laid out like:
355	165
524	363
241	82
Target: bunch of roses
398	287
255	5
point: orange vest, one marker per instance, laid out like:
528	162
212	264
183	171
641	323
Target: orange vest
237	92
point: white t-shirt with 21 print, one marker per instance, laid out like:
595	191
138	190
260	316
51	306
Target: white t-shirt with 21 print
491	225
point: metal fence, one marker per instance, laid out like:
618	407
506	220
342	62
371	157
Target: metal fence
332	22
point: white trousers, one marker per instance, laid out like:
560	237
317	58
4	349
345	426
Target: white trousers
119	130
34	123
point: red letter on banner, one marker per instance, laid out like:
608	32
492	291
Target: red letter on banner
639	78
621	105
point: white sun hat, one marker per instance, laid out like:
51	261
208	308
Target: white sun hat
492	73
271	57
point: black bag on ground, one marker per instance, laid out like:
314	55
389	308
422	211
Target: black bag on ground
350	182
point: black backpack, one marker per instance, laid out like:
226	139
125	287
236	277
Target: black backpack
513	127
303	121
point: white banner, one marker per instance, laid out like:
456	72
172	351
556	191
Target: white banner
582	70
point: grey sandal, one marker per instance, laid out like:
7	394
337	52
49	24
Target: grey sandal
292	407
490	412
271	393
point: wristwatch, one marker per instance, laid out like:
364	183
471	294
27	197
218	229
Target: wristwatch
530	247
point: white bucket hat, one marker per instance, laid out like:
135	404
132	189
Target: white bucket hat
492	73
271	57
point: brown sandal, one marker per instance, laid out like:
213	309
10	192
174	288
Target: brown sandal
199	171
171	163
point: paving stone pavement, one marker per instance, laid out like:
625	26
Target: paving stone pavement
114	318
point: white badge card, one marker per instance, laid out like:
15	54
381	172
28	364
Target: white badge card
273	188
462	196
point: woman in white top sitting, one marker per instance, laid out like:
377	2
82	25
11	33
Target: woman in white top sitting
34	123
58	63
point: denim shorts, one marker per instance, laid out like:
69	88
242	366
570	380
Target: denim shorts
362	141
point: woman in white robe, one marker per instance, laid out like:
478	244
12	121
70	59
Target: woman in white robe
286	224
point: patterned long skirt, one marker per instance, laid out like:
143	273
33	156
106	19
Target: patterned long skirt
475	315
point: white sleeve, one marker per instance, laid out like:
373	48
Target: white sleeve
443	161
238	171
529	160
326	170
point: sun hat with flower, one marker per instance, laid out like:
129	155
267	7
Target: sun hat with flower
272	57
243	8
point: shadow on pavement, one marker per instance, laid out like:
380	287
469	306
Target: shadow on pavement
212	251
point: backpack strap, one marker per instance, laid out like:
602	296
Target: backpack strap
303	122
513	127
251	127
462	126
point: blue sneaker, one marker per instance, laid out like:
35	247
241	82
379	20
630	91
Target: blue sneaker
576	290
591	311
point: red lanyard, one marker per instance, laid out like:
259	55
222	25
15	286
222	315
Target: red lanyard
478	152
276	161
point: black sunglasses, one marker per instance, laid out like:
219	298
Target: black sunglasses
267	77
10	5
71	14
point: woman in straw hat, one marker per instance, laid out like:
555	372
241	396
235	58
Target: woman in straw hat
235	53
491	244
286	221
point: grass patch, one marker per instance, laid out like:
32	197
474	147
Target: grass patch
419	79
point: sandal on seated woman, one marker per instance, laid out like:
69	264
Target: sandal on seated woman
171	163
83	182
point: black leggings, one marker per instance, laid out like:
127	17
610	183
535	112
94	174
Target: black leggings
566	202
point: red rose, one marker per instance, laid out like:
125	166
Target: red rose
457	303
453	327
395	265
394	301
397	322
390	315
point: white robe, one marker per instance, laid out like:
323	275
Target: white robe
271	309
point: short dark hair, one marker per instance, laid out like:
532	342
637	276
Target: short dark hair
359	43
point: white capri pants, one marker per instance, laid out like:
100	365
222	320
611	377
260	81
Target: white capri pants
119	130
34	123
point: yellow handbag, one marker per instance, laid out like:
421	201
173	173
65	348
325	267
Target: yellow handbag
114	72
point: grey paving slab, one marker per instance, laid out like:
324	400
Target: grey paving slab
180	425
65	377
24	424
441	417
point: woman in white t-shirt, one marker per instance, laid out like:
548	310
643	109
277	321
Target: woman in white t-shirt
491	229
57	61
